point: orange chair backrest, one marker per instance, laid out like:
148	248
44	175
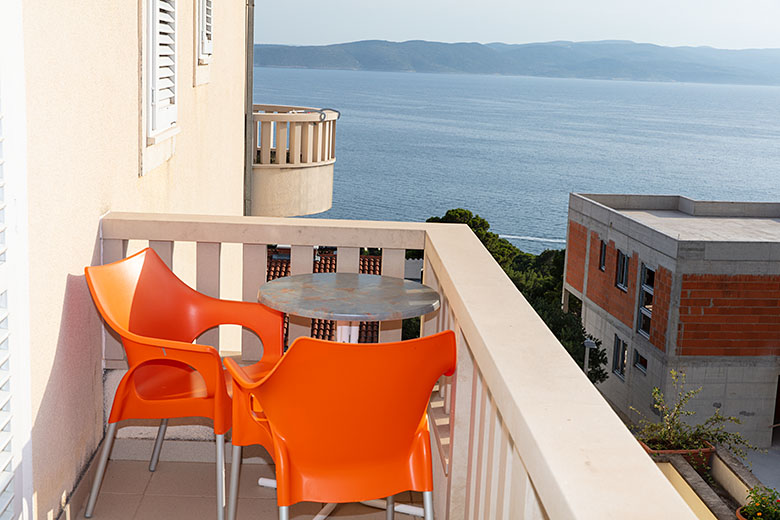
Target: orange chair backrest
141	295
349	420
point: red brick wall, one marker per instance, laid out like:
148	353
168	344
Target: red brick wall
601	284
575	255
661	296
729	315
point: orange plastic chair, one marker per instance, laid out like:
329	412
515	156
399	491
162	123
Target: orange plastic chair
158	317
347	422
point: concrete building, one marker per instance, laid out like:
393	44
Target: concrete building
667	282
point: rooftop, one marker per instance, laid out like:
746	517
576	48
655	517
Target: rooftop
683	226
694	230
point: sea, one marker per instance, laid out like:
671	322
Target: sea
510	149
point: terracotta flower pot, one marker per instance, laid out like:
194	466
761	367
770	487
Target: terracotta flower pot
697	458
739	514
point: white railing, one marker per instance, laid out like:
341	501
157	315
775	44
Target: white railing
519	432
293	136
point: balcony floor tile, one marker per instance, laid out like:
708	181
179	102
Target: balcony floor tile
115	506
184	479
187	491
126	476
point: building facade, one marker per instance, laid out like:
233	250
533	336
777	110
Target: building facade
105	106
666	283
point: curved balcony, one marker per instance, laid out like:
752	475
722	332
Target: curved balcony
292	164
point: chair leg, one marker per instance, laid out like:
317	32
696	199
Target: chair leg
390	507
284	512
158	444
101	469
235	471
221	477
428	504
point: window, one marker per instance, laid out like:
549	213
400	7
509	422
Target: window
205	31
640	362
621	277
603	256
161	66
645	314
619	357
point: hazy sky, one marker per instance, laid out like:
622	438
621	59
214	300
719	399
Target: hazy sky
729	24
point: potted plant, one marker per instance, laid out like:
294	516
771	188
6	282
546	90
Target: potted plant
673	435
762	504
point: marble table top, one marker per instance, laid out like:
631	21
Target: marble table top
348	297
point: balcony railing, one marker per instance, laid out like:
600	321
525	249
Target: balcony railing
294	152
519	432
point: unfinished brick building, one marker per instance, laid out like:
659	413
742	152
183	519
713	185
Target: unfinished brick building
668	282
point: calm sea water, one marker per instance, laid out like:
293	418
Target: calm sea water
410	146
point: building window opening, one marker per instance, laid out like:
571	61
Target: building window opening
640	362
646	287
603	256
621	278
619	357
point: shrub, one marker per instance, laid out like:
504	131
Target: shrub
672	433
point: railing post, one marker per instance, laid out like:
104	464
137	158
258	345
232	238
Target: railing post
281	142
317	142
393	263
306	142
255	268
301	262
265	142
207	282
295	143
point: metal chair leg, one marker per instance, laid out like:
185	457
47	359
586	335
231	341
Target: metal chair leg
284	512
428	504
158	444
235	471
221	477
101	469
390	507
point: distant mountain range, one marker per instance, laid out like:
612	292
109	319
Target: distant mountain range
622	60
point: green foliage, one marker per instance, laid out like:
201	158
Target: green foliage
673	433
410	328
540	279
762	504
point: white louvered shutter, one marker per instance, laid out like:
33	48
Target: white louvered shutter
206	28
6	468
163	65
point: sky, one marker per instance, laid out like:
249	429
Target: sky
725	24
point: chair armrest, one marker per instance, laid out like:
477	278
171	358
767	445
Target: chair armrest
203	358
240	377
265	322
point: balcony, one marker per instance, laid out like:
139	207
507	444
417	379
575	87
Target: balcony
292	164
518	431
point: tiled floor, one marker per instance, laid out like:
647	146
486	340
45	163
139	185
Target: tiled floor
187	490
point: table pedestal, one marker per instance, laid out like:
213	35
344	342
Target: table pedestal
347	331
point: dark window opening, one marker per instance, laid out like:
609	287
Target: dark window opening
646	288
640	362
621	277
619	355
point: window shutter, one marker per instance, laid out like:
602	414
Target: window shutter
6	467
206	28
162	70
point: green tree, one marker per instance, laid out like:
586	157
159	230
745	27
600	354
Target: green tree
540	279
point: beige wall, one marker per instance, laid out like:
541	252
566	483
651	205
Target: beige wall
86	147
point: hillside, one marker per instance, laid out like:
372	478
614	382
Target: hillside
596	60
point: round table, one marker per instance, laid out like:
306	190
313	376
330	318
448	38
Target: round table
349	299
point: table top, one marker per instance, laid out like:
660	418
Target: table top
349	297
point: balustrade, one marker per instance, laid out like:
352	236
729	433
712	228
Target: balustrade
517	432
